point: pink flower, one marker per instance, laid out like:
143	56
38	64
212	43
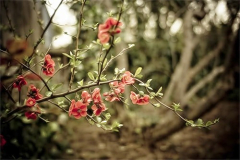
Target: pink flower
98	108
30	102
48	69
111	97
78	109
127	78
110	27
134	97
140	100
3	141
33	92
96	96
19	82
143	100
86	97
118	87
31	115
103	37
48	66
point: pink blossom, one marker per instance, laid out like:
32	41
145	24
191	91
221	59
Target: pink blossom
134	97
31	115
118	87
140	100
86	97
48	66
78	109
107	29
96	96
19	82
30	102
33	92
127	78
110	96
98	108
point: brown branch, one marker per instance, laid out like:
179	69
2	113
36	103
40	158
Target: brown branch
206	60
44	31
28	68
207	79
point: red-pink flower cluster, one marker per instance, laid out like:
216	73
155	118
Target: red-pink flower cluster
79	109
19	82
98	106
48	66
107	29
138	99
117	88
33	94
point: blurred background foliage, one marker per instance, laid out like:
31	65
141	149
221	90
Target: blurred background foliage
171	39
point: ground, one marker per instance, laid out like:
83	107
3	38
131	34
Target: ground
221	142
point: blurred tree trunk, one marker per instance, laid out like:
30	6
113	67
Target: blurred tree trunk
180	89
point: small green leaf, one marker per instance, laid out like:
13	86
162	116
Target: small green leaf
54	87
199	122
67	55
48	93
216	120
80	83
116	71
209	123
108	116
139	76
99	119
106	45
90	75
117	40
131	45
105	62
138	71
157	105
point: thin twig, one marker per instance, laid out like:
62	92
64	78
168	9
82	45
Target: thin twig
9	20
58	106
77	42
29	70
44	31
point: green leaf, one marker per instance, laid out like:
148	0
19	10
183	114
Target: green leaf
199	122
131	45
138	71
55	86
67	55
216	120
209	123
157	105
107	116
117	40
90	75
148	82
105	62
116	71
106	45
99	119
80	83
48	93
139	76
